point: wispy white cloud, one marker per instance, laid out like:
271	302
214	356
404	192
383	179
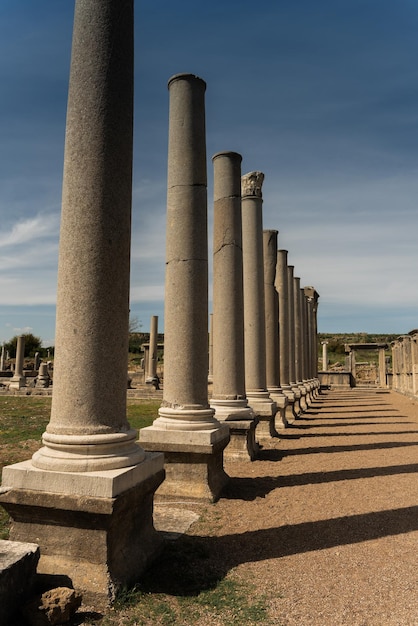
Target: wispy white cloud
29	230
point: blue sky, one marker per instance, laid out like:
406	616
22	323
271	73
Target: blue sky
321	96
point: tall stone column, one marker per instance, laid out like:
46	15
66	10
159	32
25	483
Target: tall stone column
90	479
210	368
325	356
292	340
299	343
307	382
382	368
152	355
186	430
254	319
18	380
408	364
283	292
228	396
414	339
312	297
2	356
395	366
272	326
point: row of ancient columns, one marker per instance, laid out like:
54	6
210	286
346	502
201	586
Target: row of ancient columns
263	325
90	488
405	364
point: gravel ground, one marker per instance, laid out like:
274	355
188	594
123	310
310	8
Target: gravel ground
325	523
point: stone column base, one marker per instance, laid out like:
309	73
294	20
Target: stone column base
241	421
101	543
281	402
17	382
296	405
290	414
266	428
242	445
193	461
303	403
265	409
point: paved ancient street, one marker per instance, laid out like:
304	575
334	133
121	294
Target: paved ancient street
326	522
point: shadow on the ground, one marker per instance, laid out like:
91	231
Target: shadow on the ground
251	488
334	424
370	433
387	409
264	454
273	454
194	563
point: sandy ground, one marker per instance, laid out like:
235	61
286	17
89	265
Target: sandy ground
325	523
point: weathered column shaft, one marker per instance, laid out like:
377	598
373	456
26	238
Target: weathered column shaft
93	525
298	329
254	300
186	360
252	245
228	315
271	310
186	429
20	355
292	340
152	357
282	286
312	299
93	304
325	356
291	314
228	396
90	367
18	380
305	341
272	325
297	297
283	291
210	367
382	367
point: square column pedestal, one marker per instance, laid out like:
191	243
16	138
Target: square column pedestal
264	409
94	527
193	461
243	445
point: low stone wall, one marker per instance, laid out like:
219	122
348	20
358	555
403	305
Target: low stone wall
336	380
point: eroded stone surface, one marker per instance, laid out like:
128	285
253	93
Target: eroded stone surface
18	563
53	607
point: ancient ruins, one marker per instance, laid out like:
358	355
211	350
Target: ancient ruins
91	486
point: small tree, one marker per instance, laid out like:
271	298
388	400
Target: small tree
135	325
32	344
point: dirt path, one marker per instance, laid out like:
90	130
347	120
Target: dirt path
325	523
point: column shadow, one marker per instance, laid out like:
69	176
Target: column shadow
194	563
248	488
334	449
368	433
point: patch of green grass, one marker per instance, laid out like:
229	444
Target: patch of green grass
142	413
4	524
230	602
184	586
23	417
23	420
